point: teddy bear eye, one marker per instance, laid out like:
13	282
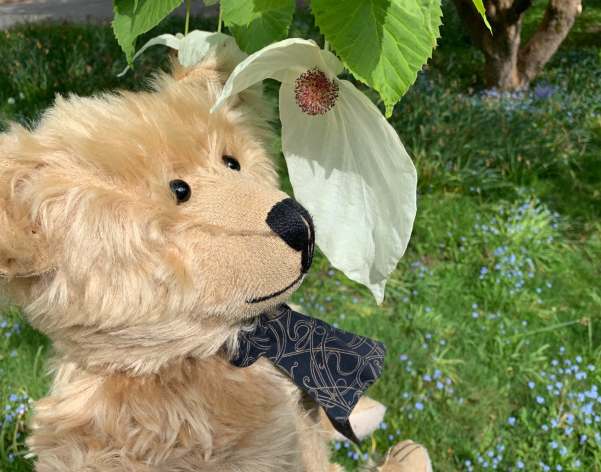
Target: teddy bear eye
231	162
181	190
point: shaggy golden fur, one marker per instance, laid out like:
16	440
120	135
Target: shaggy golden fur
143	297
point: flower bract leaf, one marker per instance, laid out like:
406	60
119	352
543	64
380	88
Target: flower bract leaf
283	61
196	45
350	170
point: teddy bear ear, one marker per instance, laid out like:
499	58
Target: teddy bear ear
23	248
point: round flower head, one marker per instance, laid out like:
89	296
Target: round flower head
346	164
315	94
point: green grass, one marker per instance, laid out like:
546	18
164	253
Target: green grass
491	319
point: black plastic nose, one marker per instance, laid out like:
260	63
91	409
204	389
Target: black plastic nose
291	222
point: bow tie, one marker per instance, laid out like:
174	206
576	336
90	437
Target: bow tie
332	366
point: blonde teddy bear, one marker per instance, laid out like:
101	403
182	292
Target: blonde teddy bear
147	238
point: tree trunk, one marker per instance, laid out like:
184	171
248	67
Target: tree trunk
507	65
501	54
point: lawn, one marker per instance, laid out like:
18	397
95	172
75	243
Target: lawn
492	319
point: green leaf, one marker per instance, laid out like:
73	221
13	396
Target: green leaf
257	23
432	14
384	43
480	7
136	17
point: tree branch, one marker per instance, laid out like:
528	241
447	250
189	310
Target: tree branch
517	9
558	20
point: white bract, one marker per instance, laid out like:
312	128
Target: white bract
194	47
346	163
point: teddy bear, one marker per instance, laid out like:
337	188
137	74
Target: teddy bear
144	235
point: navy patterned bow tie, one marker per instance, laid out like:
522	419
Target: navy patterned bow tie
333	366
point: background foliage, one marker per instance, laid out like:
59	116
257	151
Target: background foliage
383	43
492	319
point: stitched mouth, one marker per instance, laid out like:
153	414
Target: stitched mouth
276	294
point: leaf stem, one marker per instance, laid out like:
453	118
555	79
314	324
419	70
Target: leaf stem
326	45
220	18
188	2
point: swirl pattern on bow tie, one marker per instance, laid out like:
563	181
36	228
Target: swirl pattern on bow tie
333	366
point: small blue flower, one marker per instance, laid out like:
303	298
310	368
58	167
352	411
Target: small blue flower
570	418
563	451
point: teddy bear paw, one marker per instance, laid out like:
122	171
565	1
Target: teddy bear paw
407	456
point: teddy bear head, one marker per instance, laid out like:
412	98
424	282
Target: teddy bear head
139	227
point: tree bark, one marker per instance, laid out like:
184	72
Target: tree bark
555	26
507	65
